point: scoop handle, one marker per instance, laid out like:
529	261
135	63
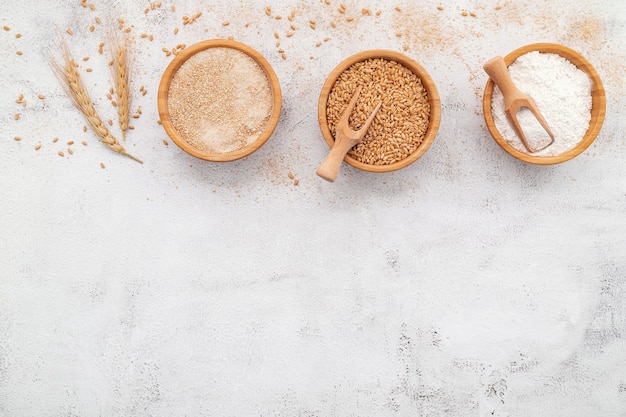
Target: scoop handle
497	70
329	168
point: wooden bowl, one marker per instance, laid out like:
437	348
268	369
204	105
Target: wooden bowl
598	104
164	90
433	99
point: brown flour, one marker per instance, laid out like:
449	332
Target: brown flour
220	100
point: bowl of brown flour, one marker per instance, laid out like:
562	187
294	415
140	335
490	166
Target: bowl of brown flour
568	92
219	100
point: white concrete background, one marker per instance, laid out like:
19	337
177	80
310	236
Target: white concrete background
468	284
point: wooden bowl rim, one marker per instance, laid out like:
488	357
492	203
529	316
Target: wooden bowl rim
175	64
427	81
598	106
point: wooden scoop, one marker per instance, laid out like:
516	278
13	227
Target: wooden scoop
514	99
345	139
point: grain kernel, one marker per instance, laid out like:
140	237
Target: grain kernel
17	138
38	146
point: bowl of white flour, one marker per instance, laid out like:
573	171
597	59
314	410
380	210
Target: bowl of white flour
568	92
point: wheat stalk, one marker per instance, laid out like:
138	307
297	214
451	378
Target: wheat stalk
121	76
69	77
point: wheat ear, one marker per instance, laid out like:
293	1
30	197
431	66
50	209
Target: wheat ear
121	76
69	77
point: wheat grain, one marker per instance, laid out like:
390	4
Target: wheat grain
69	77
402	121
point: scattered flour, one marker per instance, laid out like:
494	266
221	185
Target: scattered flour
562	93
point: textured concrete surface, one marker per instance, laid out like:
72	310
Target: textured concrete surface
468	284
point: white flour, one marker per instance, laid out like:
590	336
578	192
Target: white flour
562	94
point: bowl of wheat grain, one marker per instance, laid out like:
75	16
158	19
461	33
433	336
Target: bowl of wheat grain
405	125
219	100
